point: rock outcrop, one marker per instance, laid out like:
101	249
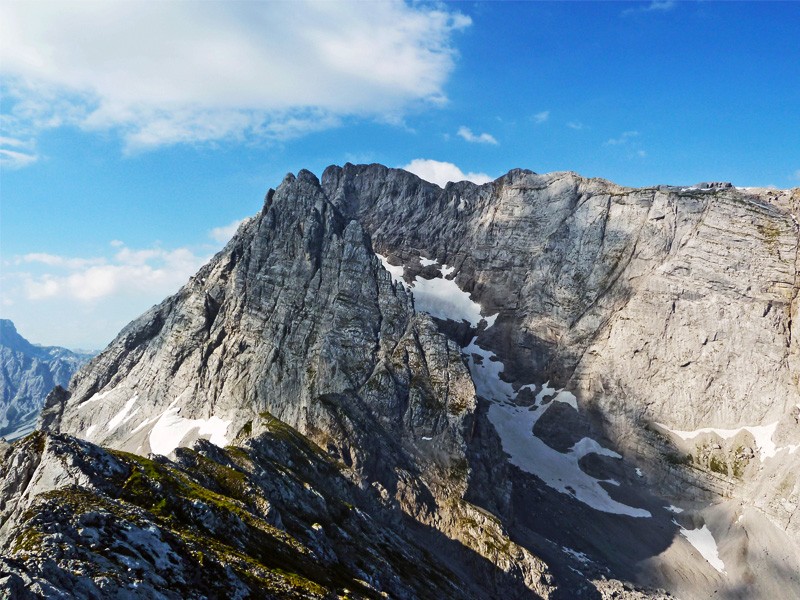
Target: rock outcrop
273	518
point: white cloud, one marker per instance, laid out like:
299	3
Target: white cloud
16	153
173	72
541	117
622	139
576	125
223	234
483	138
656	6
796	175
152	272
442	172
53	260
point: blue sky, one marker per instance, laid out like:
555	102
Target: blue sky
135	135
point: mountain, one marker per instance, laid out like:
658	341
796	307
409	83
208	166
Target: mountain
558	386
27	374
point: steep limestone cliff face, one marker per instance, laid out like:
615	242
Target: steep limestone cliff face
670	313
297	320
27	374
553	366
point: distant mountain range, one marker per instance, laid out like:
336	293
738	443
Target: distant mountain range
546	386
27	374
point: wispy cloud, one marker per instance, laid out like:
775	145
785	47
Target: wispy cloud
441	173
628	141
625	138
279	70
223	234
796	175
16	154
52	260
576	125
483	138
541	117
657	6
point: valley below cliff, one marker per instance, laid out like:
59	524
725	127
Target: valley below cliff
546	386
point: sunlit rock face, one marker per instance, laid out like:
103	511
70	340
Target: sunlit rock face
574	379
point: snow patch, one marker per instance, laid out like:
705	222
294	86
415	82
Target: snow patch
567	398
170	429
439	297
579	556
639	472
395	271
442	298
514	424
95	398
761	433
589	446
674	509
119	418
704	542
486	373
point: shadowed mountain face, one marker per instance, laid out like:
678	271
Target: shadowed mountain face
559	383
27	374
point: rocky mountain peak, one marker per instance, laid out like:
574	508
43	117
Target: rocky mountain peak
544	358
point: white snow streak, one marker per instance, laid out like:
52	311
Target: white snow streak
119	418
704	543
170	429
560	471
395	271
95	398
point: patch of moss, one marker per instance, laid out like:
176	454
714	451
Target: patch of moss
675	458
770	233
717	465
27	540
267	558
283	432
246	430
